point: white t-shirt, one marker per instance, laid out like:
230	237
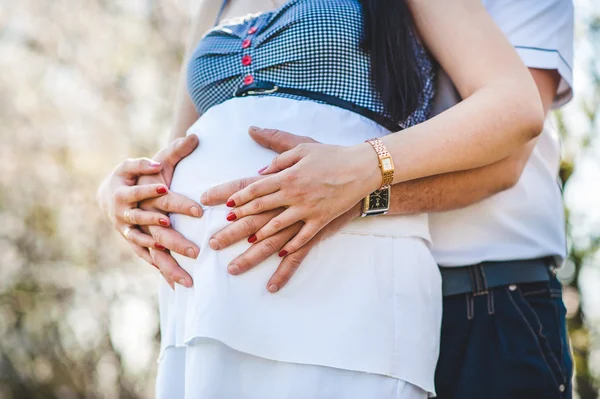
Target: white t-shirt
526	221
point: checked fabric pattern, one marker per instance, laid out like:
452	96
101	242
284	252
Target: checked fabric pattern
305	44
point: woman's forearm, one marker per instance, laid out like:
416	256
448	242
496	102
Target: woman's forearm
501	110
483	129
185	113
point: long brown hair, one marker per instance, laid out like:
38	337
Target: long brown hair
390	40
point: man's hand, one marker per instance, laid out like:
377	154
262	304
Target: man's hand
247	227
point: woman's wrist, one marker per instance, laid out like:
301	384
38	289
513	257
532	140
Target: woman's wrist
369	172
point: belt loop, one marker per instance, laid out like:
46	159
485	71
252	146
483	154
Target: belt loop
550	263
474	283
478	280
484	283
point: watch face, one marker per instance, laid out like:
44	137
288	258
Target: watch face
386	164
379	200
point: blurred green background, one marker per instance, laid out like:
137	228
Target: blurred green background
85	84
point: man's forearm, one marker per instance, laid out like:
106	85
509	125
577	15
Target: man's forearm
459	189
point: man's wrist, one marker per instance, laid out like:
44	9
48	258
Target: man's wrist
356	211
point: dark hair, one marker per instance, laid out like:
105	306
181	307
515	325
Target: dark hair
390	41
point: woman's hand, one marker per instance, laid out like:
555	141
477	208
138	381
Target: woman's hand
146	181
314	183
118	197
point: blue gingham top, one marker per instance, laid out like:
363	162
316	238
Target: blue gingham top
305	44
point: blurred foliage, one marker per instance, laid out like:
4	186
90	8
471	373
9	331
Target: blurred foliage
84	85
582	253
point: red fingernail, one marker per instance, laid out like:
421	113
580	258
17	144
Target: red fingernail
230	203
283	253
262	169
158	246
163	222
252	238
231	216
161	190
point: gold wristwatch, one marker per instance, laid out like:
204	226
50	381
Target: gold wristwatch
378	202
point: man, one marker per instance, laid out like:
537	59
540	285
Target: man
498	233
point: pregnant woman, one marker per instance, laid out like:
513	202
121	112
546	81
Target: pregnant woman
361	317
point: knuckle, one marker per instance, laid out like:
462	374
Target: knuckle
303	148
224	238
180	248
249	225
157	235
257	205
268	247
290	178
136	192
303	239
294	261
165	203
133	217
240	184
253	190
276	223
119	195
275	134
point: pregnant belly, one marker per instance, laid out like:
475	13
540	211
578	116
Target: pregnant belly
344	304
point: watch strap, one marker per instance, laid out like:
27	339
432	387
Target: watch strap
382	153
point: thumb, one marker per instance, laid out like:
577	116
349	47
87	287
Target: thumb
277	140
180	149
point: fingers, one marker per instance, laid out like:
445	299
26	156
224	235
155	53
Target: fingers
145	255
174	241
135	194
284	160
277	140
262	250
145	218
241	229
134	167
287	268
173	203
220	194
308	231
142	252
137	237
170	269
257	206
278	223
255	190
179	149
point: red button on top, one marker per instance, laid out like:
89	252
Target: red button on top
246	43
248	80
252	30
246	60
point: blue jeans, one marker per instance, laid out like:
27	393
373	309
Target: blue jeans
510	342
